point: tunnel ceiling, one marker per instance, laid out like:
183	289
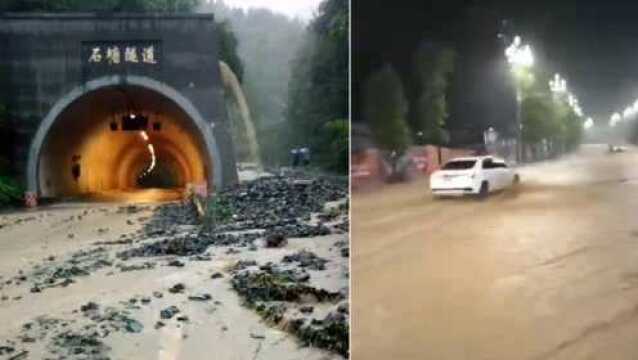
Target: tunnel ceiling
90	150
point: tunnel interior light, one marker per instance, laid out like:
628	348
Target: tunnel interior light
144	135
151	151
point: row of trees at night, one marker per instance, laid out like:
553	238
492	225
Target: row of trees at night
401	115
395	121
550	126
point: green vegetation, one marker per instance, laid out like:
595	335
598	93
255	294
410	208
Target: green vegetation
218	211
433	68
318	90
385	108
268	43
539	119
228	43
10	191
399	115
547	118
336	138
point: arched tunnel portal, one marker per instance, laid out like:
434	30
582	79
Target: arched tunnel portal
120	137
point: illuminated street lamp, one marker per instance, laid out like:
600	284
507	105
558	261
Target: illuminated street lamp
571	100
629	112
558	85
520	58
588	124
615	119
519	55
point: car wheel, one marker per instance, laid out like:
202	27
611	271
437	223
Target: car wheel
484	190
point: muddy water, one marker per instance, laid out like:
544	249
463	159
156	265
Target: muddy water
218	329
546	271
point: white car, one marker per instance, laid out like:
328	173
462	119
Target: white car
477	175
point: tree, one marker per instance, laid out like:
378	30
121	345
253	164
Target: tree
227	44
337	141
575	131
267	44
318	91
540	119
433	68
384	108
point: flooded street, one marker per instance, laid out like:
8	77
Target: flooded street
67	290
548	270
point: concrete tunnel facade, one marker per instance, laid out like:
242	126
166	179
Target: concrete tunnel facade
70	100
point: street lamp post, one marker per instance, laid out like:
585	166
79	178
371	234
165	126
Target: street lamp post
519	124
520	58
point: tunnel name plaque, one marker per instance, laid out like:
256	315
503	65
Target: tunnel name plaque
107	57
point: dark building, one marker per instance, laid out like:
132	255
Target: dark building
100	101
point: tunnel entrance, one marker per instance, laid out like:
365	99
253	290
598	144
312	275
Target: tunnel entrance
121	138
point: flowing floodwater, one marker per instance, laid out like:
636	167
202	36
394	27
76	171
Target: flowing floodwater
127	260
232	85
546	271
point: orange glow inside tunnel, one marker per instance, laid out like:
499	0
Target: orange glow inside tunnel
87	151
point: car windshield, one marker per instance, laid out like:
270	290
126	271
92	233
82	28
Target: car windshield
459	165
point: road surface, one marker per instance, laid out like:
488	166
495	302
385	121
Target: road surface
221	328
546	271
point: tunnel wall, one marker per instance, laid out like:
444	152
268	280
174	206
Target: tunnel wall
43	58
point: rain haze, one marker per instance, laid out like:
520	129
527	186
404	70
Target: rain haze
302	9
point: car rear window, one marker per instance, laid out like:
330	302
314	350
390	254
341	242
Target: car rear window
459	165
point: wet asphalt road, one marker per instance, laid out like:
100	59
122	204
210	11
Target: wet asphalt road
546	271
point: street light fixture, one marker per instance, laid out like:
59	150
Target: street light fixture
519	55
615	119
629	111
558	85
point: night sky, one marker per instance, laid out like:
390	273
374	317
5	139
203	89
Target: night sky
593	44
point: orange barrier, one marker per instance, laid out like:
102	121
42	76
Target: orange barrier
30	199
